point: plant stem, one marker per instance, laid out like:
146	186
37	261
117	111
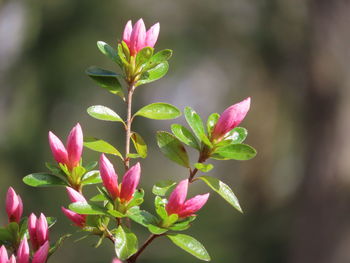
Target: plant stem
149	240
131	90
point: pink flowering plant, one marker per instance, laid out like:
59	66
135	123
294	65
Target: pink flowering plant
117	204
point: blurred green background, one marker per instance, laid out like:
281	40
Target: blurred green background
291	57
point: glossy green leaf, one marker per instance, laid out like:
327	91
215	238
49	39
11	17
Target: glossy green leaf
106	79
139	144
163	188
108	51
154	74
184	135
92	177
43	180
204	167
183	225
90	166
190	245
124	54
141	217
85	208
237	135
156	229
196	124
159	111
172	148
98	198
235	152
144	55
103	113
159	204
223	190
102	146
211	122
159	57
125	243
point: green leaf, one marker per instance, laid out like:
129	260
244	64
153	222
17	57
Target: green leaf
98	198
235	152
159	111
172	148
102	146
196	124
156	229
124	54
237	135
92	177
190	245
51	221
85	208
5	235
90	166
183	225
43	180
144	55
103	113
184	135
211	122
163	188
106	79
204	167
125	243
223	190
141	217
159	204
159	57
139	144
108	51
154	74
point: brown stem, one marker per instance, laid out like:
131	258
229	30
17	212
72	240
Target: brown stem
133	258
128	125
204	155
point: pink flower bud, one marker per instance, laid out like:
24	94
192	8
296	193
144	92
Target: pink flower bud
177	203
74	195
58	150
130	182
42	230
41	255
14	206
137	38
3	255
32	231
75	146
12	259
109	177
23	252
192	205
77	219
230	119
127	32
116	261
177	198
152	35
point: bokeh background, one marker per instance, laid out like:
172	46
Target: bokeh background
291	57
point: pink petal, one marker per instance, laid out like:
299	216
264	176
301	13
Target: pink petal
152	35
12	259
42	230
41	255
32	231
75	146
3	254
58	150
231	118
77	219
177	198
127	32
23	251
13	206
74	195
116	261
192	205
109	177
130	182
137	37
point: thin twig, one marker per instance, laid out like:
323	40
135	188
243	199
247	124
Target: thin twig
128	126
133	258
